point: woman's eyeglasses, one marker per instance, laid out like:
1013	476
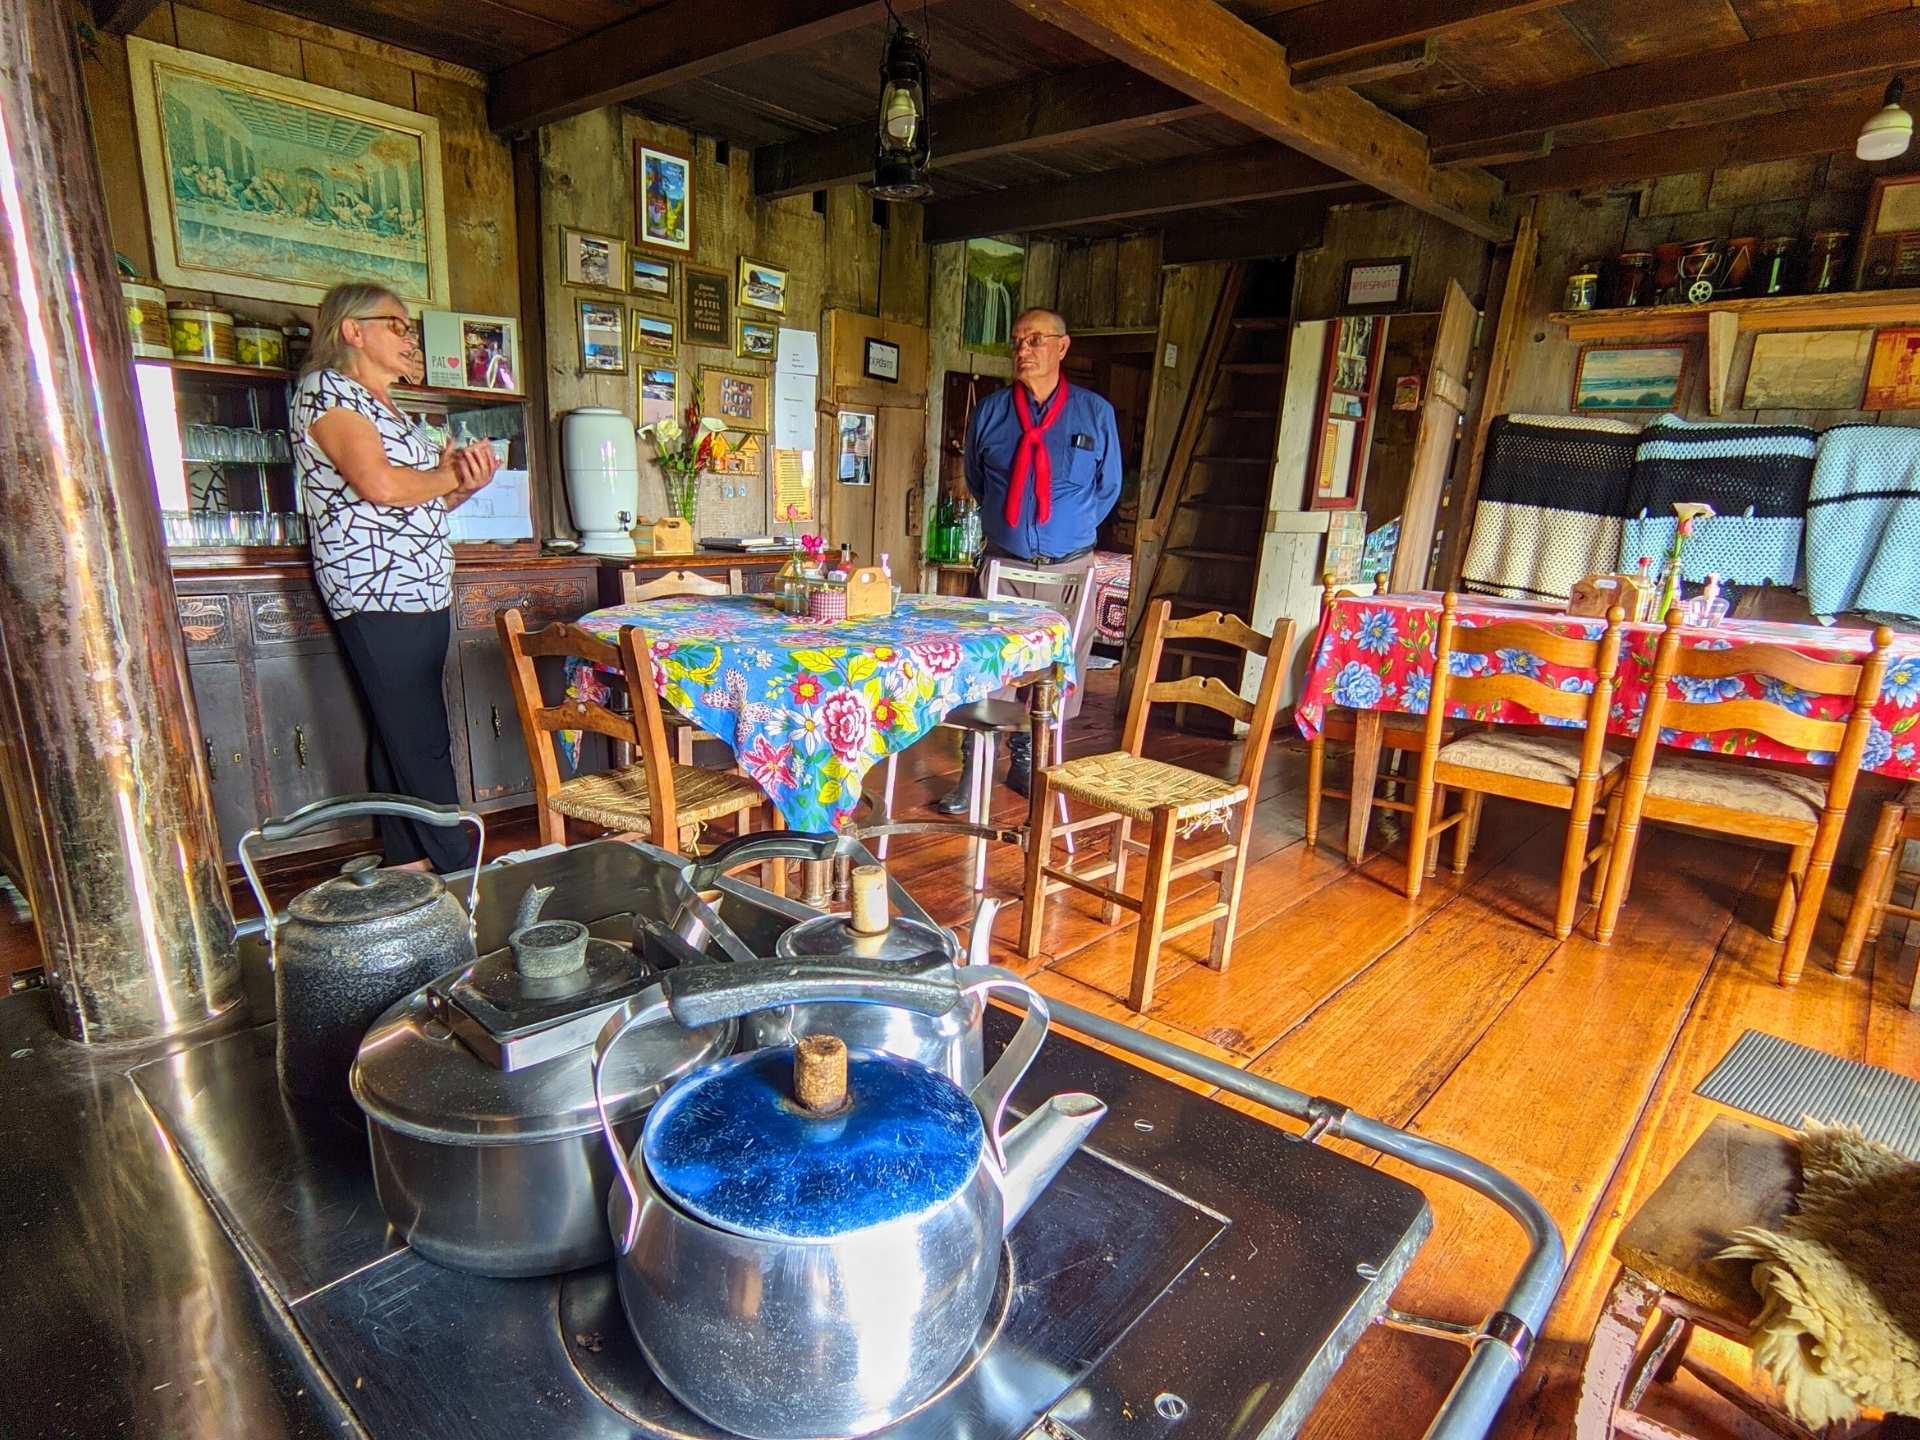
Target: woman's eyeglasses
398	325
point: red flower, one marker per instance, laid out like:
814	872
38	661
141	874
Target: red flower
885	715
846	722
806	689
939	656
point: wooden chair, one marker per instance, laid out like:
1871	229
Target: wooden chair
1124	787
680	582
1873	897
1795	808
655	797
1567	771
1402	734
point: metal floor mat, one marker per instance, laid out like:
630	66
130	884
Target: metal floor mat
1788	1083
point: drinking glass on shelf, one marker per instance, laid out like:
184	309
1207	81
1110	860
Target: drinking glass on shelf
282	450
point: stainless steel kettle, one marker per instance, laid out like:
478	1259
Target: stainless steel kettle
807	1259
348	948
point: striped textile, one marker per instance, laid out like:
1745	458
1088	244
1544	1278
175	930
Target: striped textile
1863	522
1553	496
1790	1084
1756	477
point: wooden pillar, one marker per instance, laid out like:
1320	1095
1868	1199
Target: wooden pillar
103	775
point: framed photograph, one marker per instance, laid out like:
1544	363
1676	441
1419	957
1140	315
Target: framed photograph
762	286
598	262
603	337
756	339
663	198
650	278
857	430
269	187
653	333
1893	379
1629	377
705	310
996	270
1807	370
882	361
471	352
1373	287
737	398
659	394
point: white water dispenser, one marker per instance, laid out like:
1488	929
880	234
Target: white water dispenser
602	463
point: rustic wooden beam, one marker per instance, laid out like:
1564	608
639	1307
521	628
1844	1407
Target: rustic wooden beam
1387	63
1337	28
1699	147
122	17
1856	49
1203	50
1100	100
670	44
1222	177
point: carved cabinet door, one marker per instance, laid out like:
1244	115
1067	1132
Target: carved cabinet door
314	732
219	697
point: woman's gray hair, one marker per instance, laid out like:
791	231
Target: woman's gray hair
342	303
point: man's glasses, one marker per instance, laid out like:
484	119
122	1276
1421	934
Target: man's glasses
1034	342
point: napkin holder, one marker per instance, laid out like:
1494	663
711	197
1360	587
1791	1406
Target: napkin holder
869	592
668	536
1597	594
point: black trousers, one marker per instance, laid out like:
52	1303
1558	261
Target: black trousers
398	659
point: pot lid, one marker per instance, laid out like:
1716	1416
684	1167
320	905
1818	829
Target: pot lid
415	1075
364	891
732	1147
905	945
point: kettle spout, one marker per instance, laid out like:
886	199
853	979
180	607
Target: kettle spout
1039	1145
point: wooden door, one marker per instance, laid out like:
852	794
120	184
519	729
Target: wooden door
496	748
315	733
1440	411
220	699
899	491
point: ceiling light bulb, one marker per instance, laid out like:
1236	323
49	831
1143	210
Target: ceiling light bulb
1888	131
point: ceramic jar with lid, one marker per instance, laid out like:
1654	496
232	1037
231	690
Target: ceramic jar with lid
1772	266
1583	289
197	332
262	346
1827	260
147	320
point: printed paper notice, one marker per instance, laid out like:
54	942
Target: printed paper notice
792	485
797	353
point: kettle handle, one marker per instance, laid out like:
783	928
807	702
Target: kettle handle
646	1007
349	807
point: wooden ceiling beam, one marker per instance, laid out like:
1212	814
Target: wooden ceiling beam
1100	100
1287	229
1871	46
1203	50
1389	62
122	17
1222	177
1334	29
1791	136
671	44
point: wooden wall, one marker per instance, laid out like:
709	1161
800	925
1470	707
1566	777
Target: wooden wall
1439	253
482	257
1789	197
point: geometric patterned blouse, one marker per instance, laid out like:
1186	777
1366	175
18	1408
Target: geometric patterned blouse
368	556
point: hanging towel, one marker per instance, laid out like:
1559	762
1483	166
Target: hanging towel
1553	496
1863	522
1756	477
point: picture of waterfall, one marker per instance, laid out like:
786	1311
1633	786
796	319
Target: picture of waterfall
994	270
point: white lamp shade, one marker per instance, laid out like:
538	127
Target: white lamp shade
1887	133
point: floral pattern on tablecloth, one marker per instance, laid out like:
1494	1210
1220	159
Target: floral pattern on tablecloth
807	708
1377	653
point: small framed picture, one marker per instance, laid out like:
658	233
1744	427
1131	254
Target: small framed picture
471	352
1373	287
704	310
651	278
1629	377
762	286
756	339
598	262
883	361
663	199
659	394
603	337
653	334
737	398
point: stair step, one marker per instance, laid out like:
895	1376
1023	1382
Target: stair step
1195	552
1262	322
1199	504
1228	413
1256	367
1216	458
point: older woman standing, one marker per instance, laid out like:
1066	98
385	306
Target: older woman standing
376	494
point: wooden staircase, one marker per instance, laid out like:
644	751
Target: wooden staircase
1199	548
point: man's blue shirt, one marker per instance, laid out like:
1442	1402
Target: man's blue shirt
1084	446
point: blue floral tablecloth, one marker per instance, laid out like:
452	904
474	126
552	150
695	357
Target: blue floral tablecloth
809	708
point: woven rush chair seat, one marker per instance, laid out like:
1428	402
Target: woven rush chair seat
619	799
1136	786
1784	793
1553	759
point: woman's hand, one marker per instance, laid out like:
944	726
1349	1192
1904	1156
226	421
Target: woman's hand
473	467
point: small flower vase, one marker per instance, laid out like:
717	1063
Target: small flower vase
683	498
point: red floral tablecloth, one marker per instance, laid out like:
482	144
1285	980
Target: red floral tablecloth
1376	653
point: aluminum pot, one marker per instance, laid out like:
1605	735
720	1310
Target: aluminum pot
804	1260
345	950
479	1097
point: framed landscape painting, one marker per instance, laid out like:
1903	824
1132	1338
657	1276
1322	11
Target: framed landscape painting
1629	377
663	197
269	187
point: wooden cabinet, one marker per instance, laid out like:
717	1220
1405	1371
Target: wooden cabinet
497	761
218	695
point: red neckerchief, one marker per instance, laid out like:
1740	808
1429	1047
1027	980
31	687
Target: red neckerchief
1031	457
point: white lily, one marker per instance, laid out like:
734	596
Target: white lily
712	424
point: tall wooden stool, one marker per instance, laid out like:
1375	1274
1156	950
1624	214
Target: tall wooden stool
1734	1176
1873	898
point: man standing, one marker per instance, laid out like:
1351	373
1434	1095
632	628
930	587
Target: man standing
1043	459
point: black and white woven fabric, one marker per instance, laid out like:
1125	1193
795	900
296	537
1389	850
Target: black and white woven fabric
1756	478
1863	521
368	556
1553	495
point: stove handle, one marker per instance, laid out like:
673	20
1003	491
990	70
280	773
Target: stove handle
701	995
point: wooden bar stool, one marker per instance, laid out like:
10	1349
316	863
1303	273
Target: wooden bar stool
1873	899
1734	1176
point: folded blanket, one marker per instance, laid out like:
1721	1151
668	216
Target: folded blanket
1756	478
1863	521
1553	495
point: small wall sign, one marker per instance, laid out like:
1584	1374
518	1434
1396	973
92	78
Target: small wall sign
705	316
1375	286
883	361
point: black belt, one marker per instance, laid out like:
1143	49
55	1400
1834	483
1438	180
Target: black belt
995	550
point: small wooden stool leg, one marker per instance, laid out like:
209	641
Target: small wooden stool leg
1789	887
1611	1352
1153	912
1039	844
1864	920
1316	775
